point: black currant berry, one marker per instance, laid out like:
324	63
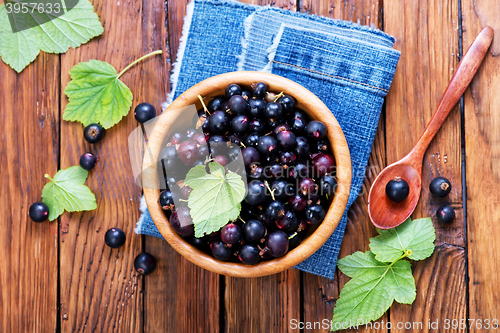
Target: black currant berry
144	263
88	161
259	89
288	103
233	89
440	187
167	200
316	130
445	214
215	104
256	193
220	250
39	212
275	210
114	238
249	254
257	107
315	214
397	189
238	105
94	133
144	112
254	231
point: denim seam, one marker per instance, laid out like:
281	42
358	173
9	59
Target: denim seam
332	76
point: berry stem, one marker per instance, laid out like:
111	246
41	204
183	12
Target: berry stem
204	106
270	191
139	60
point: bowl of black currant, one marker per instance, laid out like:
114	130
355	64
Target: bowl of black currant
246	174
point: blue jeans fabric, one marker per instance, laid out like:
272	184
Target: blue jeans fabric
349	67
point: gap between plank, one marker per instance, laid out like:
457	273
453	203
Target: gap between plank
463	166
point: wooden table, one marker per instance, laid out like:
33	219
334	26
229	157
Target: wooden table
60	276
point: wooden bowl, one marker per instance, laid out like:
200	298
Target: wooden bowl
305	100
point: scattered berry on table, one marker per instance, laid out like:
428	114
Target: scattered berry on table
397	189
94	133
88	161
144	112
39	212
114	238
440	187
144	263
445	214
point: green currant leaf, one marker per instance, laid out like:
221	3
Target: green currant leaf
372	290
66	192
416	236
72	29
215	199
96	95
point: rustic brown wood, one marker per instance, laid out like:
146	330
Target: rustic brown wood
266	304
214	86
386	214
427	36
320	293
100	290
179	284
29	148
482	151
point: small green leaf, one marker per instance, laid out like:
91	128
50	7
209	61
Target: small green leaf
416	236
72	29
67	192
96	95
215	199
371	291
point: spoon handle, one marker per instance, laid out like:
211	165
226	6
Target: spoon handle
467	67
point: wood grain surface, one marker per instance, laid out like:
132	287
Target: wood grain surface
427	34
61	277
29	148
482	148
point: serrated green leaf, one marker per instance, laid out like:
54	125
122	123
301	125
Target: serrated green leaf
372	290
215	199
416	236
72	29
67	192
96	95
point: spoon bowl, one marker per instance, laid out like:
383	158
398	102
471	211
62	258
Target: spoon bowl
383	212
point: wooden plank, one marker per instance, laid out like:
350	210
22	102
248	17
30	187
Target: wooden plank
427	35
100	290
182	297
28	149
266	304
320	293
482	149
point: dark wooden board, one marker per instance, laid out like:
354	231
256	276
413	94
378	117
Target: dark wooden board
29	148
100	290
482	149
427	36
320	293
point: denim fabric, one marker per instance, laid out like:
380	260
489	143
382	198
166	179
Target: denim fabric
349	67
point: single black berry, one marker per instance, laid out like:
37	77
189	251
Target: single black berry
144	112
114	238
440	187
144	263
167	200
445	214
39	212
88	161
94	133
397	189
259	89
232	89
249	254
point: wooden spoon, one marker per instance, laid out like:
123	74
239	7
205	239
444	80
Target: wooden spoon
386	214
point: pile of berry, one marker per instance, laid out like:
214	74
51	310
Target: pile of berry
289	168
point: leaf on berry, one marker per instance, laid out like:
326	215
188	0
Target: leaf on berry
66	192
215	199
72	29
371	291
96	95
416	236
